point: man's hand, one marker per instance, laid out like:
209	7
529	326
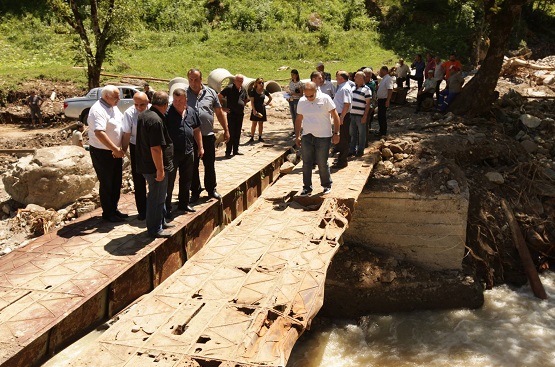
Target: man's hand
226	136
298	141
119	153
159	175
340	120
225	109
387	103
200	152
335	139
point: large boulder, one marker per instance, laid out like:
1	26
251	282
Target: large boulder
53	177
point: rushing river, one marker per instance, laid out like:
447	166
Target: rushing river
512	329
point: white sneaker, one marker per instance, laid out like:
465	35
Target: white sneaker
327	190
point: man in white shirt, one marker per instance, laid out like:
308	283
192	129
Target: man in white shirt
385	90
105	121
130	117
402	74
343	100
315	112
77	135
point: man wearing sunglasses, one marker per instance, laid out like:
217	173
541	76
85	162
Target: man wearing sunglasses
315	113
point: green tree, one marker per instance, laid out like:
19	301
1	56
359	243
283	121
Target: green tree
99	24
478	95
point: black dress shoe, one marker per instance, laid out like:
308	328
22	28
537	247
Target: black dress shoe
228	156
141	216
214	194
113	219
238	153
121	215
186	208
339	165
194	197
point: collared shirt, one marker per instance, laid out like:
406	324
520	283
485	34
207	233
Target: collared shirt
205	103
343	95
419	66
152	132
455	82
236	99
316	115
447	67
130	123
402	71
429	85
181	128
429	66
327	88
439	73
360	95
103	117
76	137
384	86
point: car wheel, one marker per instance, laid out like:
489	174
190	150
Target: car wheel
84	116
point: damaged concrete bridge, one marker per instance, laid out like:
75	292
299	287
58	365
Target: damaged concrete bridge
249	293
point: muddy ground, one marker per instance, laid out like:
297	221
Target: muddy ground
442	148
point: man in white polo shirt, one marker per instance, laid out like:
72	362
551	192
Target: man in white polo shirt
315	112
105	121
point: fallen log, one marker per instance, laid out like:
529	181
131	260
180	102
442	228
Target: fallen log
529	268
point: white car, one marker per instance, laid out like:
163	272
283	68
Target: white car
78	107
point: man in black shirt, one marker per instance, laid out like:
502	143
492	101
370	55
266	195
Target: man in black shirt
155	161
236	97
183	126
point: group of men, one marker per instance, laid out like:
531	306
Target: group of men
349	111
161	139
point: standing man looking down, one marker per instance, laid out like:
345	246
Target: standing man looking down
315	112
77	135
343	100
359	114
236	97
184	128
35	102
385	90
105	121
130	117
154	161
205	101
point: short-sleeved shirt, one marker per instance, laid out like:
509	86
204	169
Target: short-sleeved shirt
130	123
295	87
447	67
76	137
152	132
205	103
181	129
258	99
103	117
34	101
327	88
235	99
316	115
343	95
402	71
384	86
360	95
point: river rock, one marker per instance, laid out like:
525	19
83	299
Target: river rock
495	177
52	178
395	148
453	185
529	146
530	121
287	167
387	153
548	80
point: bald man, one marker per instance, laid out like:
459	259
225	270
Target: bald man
140	104
236	97
105	140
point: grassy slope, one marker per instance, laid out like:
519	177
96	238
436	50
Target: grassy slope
46	54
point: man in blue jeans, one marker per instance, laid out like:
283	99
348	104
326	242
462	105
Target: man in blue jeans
315	112
155	161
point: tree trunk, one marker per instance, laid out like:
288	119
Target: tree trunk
478	95
93	74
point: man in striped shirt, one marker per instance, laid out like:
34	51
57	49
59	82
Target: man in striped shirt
359	112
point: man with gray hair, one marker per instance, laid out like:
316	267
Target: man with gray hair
315	112
105	121
343	100
155	161
130	116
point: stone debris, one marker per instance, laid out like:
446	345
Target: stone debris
530	121
53	177
286	168
495	177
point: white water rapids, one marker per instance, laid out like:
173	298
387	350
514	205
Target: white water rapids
512	329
